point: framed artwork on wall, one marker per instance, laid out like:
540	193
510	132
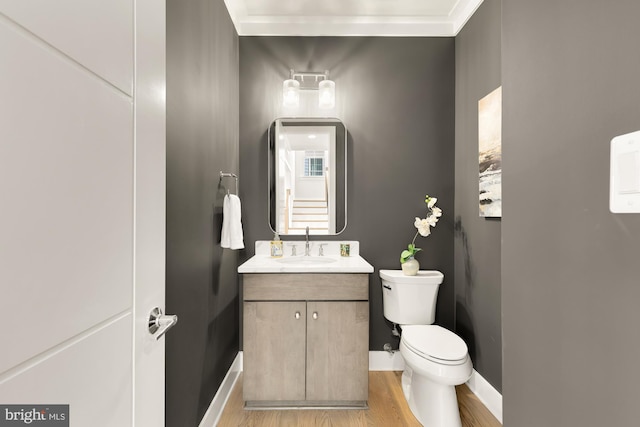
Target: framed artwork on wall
490	154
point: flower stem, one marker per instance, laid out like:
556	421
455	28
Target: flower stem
413	242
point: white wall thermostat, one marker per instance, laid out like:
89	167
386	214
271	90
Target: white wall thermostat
624	182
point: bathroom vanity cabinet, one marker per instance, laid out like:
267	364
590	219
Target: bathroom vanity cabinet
305	339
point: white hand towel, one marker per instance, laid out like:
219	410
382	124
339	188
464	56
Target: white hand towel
231	236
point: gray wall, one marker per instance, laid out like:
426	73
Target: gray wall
570	270
477	240
202	139
396	98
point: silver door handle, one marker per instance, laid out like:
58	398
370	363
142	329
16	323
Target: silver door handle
161	322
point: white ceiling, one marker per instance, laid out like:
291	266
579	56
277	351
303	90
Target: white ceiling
350	17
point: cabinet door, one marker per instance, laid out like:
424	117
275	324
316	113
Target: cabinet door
337	350
274	350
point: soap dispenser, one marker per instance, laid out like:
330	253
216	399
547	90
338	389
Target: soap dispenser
276	247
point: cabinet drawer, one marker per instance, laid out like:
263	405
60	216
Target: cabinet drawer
309	287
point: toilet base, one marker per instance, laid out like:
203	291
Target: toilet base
433	404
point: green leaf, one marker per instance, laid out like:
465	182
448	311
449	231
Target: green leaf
406	254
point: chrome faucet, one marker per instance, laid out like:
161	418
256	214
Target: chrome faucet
306	245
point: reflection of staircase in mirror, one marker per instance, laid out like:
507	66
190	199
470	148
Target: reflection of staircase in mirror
309	213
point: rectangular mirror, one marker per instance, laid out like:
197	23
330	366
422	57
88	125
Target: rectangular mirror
307	176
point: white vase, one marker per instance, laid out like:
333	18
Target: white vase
410	267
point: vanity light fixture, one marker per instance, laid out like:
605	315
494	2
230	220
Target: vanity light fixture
309	80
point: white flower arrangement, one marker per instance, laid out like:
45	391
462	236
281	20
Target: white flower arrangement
424	227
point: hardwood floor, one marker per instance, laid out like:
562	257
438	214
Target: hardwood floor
387	408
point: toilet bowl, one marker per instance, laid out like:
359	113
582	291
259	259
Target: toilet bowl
436	359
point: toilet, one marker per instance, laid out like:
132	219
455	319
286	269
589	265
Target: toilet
436	359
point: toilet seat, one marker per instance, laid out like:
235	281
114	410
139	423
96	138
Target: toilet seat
435	343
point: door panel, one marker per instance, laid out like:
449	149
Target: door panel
337	350
86	372
82	169
66	174
97	34
274	350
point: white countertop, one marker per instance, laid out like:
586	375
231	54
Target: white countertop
262	262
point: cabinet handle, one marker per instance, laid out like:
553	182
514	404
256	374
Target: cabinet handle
297	314
315	315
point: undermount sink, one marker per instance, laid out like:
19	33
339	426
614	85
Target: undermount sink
330	261
306	260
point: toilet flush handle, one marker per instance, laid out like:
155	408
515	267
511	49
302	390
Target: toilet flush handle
387	287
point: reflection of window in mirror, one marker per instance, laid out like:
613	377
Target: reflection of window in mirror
314	163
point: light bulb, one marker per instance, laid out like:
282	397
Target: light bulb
290	93
327	94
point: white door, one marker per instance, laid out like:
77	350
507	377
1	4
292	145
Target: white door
82	207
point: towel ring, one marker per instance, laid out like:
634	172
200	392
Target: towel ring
229	175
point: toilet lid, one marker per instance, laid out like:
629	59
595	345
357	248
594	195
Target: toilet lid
435	342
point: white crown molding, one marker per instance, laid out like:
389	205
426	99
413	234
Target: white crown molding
237	10
319	26
462	13
386	26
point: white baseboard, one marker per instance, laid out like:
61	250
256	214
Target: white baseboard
488	395
212	416
378	361
384	361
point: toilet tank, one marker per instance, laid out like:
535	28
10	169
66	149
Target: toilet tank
410	300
